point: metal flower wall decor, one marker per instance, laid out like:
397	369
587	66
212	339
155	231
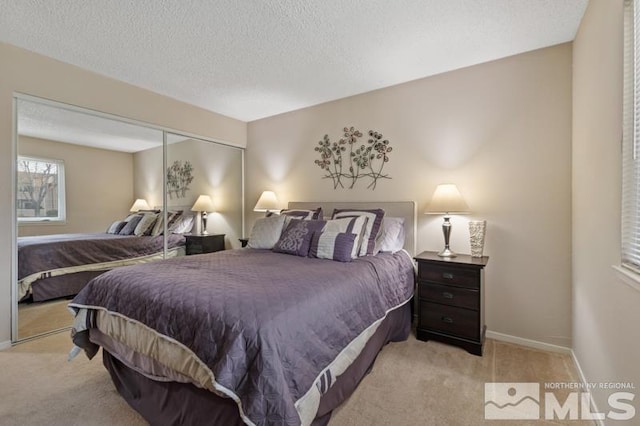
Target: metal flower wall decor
346	161
179	176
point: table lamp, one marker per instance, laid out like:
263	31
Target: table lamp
267	202
447	200
203	205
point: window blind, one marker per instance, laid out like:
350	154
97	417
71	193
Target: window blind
631	139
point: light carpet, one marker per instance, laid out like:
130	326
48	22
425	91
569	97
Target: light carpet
412	383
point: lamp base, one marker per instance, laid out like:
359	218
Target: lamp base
446	230
203	229
447	253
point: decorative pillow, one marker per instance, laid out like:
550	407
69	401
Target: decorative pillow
131	225
158	228
116	227
304	214
350	225
332	245
374	223
296	237
391	236
131	216
266	232
183	225
146	224
174	217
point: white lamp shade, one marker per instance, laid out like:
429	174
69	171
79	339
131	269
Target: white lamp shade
140	204
267	202
203	204
447	199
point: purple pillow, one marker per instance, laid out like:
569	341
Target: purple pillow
374	223
332	245
131	225
296	237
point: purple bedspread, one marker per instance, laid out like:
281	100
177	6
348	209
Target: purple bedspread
49	252
266	324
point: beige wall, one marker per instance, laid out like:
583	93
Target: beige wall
606	311
30	73
501	131
98	185
217	173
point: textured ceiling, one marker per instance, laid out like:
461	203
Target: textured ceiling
251	59
47	122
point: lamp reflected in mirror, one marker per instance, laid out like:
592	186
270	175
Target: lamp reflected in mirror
140	204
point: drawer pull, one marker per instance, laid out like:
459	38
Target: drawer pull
447	275
448	320
447	295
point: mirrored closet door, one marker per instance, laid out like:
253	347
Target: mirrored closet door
204	180
94	192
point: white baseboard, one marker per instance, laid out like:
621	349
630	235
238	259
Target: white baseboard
527	342
548	347
583	379
5	345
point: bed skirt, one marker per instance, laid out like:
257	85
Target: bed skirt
173	403
61	285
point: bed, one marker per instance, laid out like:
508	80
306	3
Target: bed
55	266
247	336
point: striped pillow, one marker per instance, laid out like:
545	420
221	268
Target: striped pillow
332	245
349	225
145	226
374	223
303	214
172	217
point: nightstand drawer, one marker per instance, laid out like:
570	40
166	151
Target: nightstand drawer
449	275
194	248
207	243
449	295
448	319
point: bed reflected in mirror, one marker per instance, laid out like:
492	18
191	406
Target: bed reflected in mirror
74	196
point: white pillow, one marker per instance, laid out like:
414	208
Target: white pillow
391	237
183	225
266	232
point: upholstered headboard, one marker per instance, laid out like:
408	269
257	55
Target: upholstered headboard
405	209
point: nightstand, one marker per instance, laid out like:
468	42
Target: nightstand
209	243
451	300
